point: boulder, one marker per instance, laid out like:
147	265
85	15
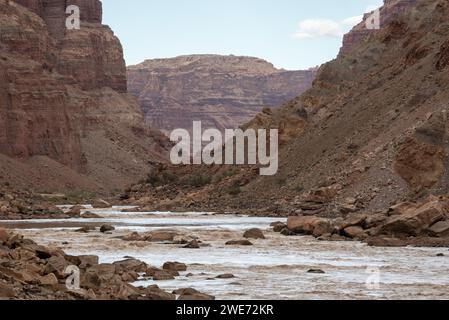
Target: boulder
316	271
239	243
57	266
160	236
278	226
355	232
4	236
90	215
174	266
101	204
287	232
354	220
154	293
101	275
162	276
87	261
254	234
400	208
323	195
75	211
106	228
192	245
135	236
86	229
440	229
130	265
49	280
414	221
6	291
192	295
310	225
225	276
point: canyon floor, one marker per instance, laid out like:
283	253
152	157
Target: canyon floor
277	267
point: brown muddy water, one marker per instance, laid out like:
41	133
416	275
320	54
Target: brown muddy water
274	268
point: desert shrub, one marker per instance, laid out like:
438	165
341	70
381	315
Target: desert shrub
197	180
161	178
234	189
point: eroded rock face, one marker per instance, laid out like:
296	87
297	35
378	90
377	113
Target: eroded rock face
390	10
62	101
221	91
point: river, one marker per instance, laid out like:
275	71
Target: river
274	268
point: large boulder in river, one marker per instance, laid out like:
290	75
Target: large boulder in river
174	266
416	219
254	234
310	225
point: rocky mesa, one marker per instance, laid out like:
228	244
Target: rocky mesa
221	91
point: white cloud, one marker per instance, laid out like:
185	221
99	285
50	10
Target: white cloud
352	21
314	28
317	28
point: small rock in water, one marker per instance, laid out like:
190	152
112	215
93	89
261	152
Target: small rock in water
162	276
90	215
440	255
192	245
106	227
316	271
225	276
287	232
278	226
239	243
86	229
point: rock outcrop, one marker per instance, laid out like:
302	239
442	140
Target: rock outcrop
391	10
33	272
63	102
221	91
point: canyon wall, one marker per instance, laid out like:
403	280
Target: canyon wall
66	121
221	91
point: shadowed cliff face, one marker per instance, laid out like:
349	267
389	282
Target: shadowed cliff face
63	101
221	91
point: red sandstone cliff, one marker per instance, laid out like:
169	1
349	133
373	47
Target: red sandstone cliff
66	121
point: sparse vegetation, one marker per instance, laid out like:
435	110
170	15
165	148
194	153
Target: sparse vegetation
160	178
197	180
234	190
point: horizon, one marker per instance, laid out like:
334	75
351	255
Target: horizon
298	35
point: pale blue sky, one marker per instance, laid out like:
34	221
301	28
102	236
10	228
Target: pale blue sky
268	29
